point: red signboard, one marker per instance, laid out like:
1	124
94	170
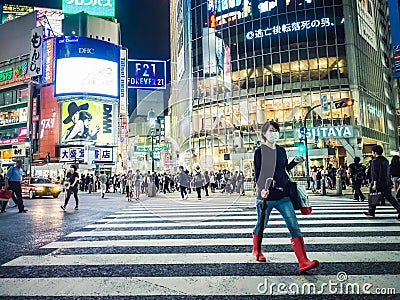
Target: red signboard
49	121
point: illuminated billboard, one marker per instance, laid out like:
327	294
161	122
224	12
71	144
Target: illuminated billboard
268	6
88	120
86	66
146	74
101	8
224	11
12	11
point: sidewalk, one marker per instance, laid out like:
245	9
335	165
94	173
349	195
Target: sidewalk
348	192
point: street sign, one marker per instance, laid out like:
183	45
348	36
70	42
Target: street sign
303	130
18	150
324	102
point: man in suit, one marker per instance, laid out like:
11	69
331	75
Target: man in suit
380	180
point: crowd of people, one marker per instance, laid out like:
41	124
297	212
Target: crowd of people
355	176
135	183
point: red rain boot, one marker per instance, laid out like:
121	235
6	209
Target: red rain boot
304	263
261	256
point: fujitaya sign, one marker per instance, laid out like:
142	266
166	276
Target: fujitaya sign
329	132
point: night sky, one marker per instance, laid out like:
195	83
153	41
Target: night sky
144	25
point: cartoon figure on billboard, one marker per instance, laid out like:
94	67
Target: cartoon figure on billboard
76	130
86	120
88	134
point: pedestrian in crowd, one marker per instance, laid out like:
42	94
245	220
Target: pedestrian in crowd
234	181
198	181
184	182
73	180
395	174
12	181
270	161
380	175
137	181
357	174
212	182
129	185
206	182
145	184
240	183
331	172
103	183
313	175
3	203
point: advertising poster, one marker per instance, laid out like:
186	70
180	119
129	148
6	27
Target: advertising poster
366	21
50	19
49	121
12	11
87	66
88	120
224	11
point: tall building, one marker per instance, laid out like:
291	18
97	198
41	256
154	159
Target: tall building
241	63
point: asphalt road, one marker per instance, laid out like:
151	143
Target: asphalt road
169	248
45	222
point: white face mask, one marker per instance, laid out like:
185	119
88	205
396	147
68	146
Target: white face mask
272	137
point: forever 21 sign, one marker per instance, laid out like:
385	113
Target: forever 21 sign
146	74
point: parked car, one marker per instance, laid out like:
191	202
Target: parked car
37	187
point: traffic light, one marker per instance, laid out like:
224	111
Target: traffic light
344	103
301	147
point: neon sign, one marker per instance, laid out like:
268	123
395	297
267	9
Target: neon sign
103	8
149	74
290	27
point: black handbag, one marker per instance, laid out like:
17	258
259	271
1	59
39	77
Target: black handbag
294	195
375	198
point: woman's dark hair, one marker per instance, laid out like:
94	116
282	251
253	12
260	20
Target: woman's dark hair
265	127
84	115
395	160
377	149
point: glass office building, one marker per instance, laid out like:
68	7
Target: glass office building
239	63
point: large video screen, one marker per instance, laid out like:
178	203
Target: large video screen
86	75
86	66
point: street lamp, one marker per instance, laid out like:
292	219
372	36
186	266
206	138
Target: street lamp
151	118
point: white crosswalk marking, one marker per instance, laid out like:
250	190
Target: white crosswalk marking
165	246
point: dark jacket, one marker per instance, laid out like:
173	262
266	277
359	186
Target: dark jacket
380	172
280	176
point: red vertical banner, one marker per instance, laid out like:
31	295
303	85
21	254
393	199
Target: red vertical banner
48	121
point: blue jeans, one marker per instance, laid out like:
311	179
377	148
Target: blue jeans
285	207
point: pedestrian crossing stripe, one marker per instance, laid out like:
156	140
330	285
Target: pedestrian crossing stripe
196	258
197	286
212	231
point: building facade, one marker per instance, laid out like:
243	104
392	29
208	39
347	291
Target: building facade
246	62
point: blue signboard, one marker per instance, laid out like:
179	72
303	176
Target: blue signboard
394	12
146	74
86	66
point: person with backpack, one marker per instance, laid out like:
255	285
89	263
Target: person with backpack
198	181
357	174
380	180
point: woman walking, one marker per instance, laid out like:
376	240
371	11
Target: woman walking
270	161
